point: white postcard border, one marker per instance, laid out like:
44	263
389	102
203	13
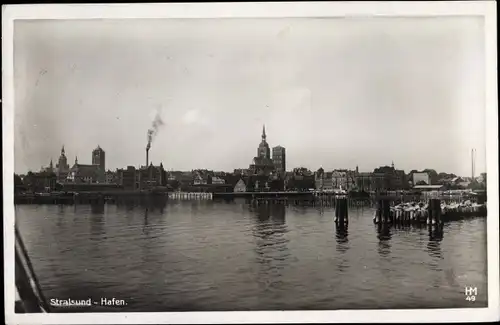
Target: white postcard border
487	9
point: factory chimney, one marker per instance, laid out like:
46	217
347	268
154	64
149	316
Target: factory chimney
157	123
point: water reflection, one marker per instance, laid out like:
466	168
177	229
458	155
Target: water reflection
384	236
146	223
278	212
130	204
435	238
384	232
97	219
264	257
152	203
262	210
156	204
436	233
271	243
341	232
60	215
97	207
60	209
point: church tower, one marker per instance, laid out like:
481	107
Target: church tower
99	158
262	163
264	151
62	167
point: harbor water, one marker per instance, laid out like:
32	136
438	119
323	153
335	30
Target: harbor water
220	256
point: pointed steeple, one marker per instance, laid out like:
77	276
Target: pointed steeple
76	160
51	165
62	151
393	164
264	132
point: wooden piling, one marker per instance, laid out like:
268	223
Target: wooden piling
434	211
377	218
341	211
385	210
438	211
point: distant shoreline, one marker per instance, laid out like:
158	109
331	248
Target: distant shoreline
103	196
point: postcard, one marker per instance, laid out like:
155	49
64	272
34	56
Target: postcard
295	162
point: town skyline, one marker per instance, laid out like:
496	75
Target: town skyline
421	105
54	162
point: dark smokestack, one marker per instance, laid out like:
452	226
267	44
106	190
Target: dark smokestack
157	123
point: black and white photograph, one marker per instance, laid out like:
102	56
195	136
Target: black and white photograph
193	158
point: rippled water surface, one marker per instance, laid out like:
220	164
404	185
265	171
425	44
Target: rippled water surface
191	255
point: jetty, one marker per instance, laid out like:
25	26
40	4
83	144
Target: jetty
190	195
434	211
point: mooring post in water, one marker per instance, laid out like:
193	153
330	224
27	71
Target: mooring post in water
434	211
345	210
385	210
481	199
336	208
435	232
377	218
341	208
437	214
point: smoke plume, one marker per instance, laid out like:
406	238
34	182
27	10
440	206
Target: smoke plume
157	123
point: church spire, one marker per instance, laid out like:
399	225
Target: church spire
62	151
76	160
263	132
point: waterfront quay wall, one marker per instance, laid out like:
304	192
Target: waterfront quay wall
301	198
316	195
293	197
87	197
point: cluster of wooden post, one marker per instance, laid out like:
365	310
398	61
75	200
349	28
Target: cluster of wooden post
341	211
383	213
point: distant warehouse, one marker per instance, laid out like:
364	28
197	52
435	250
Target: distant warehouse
429	191
428	188
421	179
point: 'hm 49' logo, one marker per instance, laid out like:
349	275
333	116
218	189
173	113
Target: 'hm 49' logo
470	293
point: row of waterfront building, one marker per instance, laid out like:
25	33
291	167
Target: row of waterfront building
156	177
265	172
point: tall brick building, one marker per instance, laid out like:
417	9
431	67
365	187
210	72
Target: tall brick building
279	160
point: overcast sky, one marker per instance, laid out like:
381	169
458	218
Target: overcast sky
335	93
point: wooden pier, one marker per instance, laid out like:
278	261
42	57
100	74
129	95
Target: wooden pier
190	195
433	214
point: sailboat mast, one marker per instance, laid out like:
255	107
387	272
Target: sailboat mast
473	163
